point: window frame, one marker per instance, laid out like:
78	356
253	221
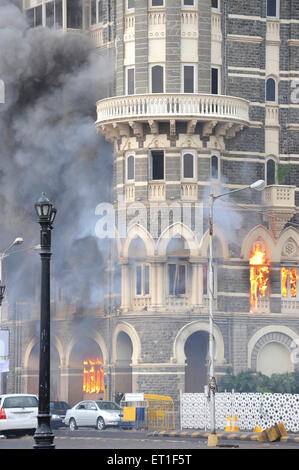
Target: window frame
151	165
189	6
142	267
215	154
271	77
277	8
129	67
266	170
216	8
218	68
195	69
151	77
183	177
289	296
130	154
130	9
177	264
156	6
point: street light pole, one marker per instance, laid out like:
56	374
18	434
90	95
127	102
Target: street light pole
258	186
44	436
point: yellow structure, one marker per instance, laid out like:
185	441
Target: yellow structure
160	412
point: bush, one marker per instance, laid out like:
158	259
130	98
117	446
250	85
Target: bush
255	382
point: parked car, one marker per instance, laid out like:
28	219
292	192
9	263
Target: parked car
58	411
18	413
98	414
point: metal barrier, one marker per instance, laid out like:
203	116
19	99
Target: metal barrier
160	412
148	411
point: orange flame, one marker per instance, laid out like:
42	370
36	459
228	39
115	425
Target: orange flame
93	376
289	279
259	275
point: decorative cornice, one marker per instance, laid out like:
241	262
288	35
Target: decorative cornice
243	38
293	42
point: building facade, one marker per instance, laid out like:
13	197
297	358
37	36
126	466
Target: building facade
204	99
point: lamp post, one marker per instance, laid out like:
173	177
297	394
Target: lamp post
258	186
44	436
17	241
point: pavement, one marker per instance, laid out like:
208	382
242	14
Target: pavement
229	436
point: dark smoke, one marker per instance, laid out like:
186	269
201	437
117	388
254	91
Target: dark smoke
49	144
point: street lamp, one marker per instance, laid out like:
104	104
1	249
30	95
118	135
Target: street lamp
258	186
44	436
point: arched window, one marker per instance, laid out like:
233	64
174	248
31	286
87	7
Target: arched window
270	89
157	79
188	165
214	167
130	167
271	8
270	172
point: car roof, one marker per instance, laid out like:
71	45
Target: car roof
5	395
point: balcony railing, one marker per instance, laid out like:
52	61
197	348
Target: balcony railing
279	196
172	106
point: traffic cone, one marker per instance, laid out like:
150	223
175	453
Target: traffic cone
228	426
235	427
257	429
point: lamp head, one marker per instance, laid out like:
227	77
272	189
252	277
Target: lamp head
18	241
258	185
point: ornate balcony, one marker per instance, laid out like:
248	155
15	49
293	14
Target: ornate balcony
279	206
223	115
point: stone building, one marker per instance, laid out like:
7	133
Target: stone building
204	99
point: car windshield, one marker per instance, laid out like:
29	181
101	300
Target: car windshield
20	402
107	405
59	405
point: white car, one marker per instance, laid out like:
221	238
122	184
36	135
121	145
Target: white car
98	414
18	413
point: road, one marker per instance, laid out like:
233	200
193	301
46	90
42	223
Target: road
113	440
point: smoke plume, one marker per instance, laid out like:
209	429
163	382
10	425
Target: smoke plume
49	144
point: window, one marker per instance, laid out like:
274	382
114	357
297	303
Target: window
54	14
35	16
157	3
93	12
74	14
130	167
58	13
20	402
271	8
188	165
157	79
177	279
188	79
205	280
188	3
142	280
215	3
130	81
214	166
130	4
289	282
157	165
270	89
215	75
270	171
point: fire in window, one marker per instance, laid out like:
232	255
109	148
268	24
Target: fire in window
289	279
259	275
93	376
